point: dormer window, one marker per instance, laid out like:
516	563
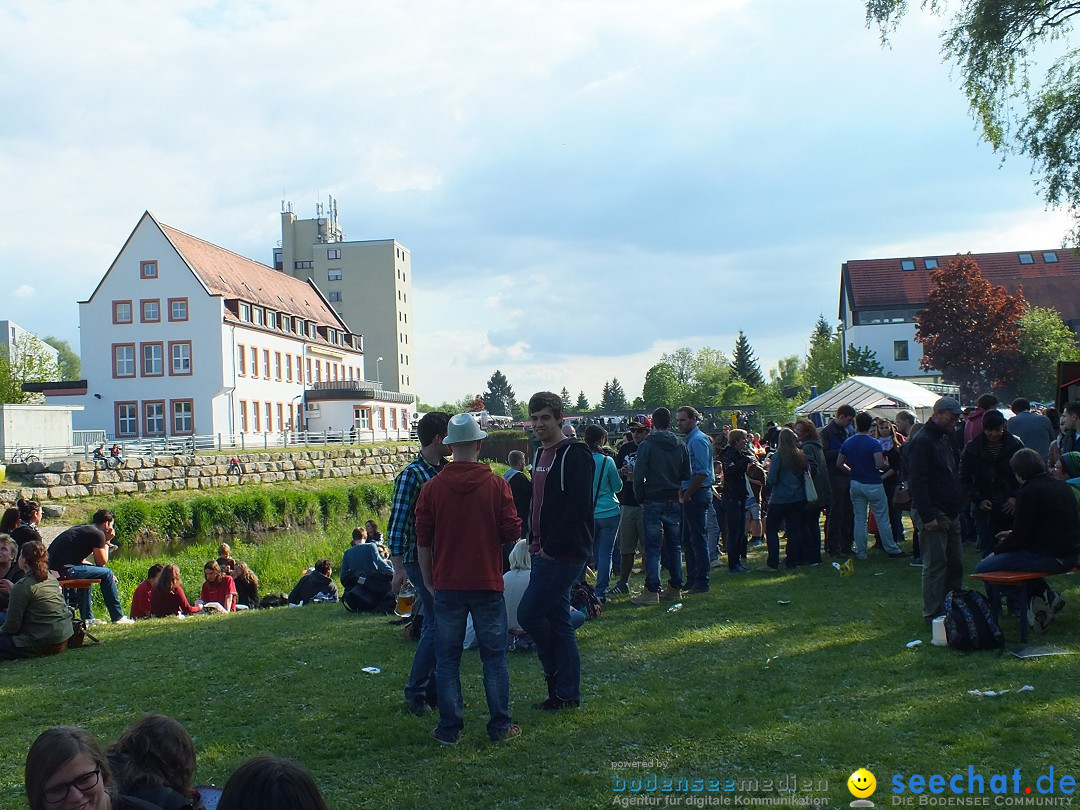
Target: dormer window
931	264
1026	258
245	313
907	264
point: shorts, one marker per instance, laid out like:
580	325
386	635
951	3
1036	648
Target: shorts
753	509
631	529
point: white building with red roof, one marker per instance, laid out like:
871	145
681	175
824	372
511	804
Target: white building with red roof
879	299
182	337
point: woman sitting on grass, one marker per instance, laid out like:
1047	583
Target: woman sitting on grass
10	571
140	600
154	760
29	518
66	769
38	619
218	588
167	597
247	587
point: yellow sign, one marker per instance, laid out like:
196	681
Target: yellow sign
861	783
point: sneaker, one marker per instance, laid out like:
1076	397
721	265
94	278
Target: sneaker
418	707
556	704
510	732
899	555
916	562
91	622
124	620
1056	602
716	563
447	737
738	569
770	569
645	598
758	542
618	589
695	589
671	593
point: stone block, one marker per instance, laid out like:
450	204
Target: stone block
47	480
127	486
84	478
63	466
102	489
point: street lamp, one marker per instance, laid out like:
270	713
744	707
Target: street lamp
378	377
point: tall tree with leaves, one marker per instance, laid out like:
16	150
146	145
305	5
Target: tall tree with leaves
824	364
969	328
582	403
661	389
744	364
995	46
499	399
70	366
26	360
1044	340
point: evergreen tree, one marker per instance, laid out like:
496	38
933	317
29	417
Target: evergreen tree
565	399
744	364
582	402
499	399
862	362
614	398
823	362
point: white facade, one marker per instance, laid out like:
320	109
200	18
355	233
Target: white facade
169	350
13	335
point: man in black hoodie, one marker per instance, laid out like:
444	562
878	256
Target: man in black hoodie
560	535
662	464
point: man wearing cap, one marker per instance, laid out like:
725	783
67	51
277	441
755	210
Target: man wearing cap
464	518
936	499
420	692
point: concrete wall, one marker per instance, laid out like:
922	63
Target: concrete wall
80	479
34	426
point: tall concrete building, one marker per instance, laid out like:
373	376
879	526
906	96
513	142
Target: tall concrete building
368	283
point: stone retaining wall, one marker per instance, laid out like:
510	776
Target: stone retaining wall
80	479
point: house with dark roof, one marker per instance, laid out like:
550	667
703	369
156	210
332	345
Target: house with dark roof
182	337
879	298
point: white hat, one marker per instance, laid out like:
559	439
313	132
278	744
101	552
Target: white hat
462	429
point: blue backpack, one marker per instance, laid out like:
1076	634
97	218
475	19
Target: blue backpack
969	623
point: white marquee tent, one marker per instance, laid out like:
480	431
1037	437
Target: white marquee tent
882	396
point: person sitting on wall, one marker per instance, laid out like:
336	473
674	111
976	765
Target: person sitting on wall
315	586
117	457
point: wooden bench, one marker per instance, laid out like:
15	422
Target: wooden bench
71	588
1000	583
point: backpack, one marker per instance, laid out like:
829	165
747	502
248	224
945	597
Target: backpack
583	597
370	594
969	624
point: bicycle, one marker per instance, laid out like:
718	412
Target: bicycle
22	455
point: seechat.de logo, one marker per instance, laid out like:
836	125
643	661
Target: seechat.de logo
862	785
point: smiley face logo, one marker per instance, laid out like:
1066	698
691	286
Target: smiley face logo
861	783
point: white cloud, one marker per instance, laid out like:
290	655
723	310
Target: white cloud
24	291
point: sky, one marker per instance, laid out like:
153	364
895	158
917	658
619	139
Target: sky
583	186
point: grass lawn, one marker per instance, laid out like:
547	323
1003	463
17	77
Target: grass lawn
733	685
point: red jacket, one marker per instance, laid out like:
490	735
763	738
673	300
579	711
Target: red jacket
140	600
465	515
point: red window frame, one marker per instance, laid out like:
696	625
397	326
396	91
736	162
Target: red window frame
191	359
142	310
131	312
172	416
187	309
142	358
134	361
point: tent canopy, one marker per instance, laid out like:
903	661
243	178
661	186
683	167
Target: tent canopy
885	395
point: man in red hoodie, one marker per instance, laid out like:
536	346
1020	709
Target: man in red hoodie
464	517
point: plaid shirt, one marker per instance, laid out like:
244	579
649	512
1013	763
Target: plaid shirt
401	529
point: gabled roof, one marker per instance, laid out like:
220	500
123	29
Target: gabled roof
884	283
232	276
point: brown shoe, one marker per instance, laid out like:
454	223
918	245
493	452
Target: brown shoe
671	593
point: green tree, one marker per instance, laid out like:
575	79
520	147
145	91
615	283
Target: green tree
1044	340
682	365
737	392
566	404
996	45
744	364
862	362
824	367
613	398
69	362
969	328
582	403
499	399
661	388
26	361
789	376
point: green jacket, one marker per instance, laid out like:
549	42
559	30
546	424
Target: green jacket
37	613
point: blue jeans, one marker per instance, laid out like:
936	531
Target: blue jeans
735	529
712	529
1021	561
694	544
488	612
108	589
421	683
655	514
604	531
987	526
872	496
544	613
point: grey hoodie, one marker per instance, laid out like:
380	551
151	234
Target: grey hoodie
662	463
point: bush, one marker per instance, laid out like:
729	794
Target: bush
211	516
370	497
334	504
132	516
171	518
297	507
255	510
508	434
